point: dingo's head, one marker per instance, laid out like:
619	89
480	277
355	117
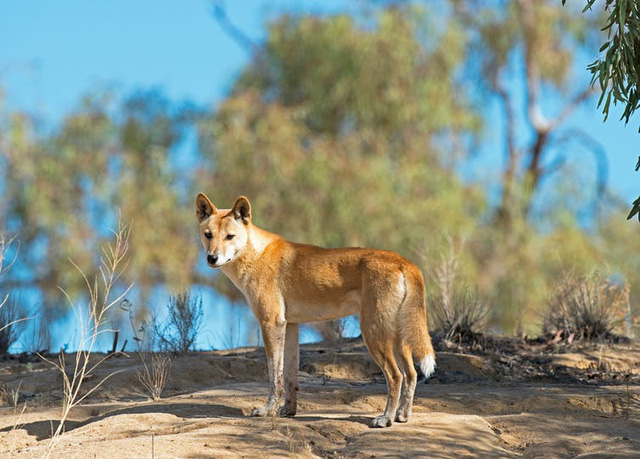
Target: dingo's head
224	233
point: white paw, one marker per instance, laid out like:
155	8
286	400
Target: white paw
381	421
402	417
260	411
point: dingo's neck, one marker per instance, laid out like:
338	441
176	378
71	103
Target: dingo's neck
240	269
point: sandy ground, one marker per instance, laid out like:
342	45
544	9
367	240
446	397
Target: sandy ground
578	403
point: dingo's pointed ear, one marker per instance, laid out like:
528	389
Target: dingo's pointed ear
242	210
204	208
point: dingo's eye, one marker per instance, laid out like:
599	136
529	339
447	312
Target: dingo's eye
230	236
208	234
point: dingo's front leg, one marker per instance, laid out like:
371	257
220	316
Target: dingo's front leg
273	335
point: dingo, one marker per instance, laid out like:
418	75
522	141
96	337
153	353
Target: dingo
287	284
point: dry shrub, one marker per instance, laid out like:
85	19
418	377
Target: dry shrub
331	331
155	374
179	332
10	396
91	321
156	365
460	312
463	316
37	337
587	307
11	314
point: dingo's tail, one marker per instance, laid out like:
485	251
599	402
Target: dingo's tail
413	323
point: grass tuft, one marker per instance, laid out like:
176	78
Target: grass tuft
589	308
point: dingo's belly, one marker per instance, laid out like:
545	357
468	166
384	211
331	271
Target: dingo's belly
321	309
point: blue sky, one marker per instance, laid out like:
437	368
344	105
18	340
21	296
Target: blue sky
53	52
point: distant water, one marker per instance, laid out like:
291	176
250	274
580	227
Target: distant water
225	325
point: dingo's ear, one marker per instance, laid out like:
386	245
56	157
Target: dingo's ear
204	208
242	210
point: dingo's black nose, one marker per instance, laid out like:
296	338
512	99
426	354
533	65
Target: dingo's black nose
212	259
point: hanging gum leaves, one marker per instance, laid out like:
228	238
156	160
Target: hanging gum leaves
618	72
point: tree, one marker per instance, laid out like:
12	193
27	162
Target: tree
66	187
618	71
344	135
309	130
542	40
336	123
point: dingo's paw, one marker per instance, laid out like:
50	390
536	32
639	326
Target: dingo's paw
260	411
381	421
288	412
402	417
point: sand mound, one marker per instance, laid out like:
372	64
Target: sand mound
545	405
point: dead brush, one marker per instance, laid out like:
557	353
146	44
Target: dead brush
459	311
155	373
11	312
156	365
185	318
589	308
463	318
297	446
10	396
91	320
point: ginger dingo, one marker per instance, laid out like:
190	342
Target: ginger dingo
287	284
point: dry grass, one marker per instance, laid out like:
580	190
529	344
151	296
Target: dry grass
460	312
156	365
91	324
297	445
464	317
155	374
11	397
5	245
587	308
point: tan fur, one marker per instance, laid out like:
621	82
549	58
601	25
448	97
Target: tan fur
286	284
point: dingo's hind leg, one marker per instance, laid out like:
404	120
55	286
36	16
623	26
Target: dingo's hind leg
405	360
379	336
383	355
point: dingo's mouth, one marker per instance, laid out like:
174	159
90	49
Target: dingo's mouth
216	266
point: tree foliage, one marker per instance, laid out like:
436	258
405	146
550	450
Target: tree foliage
65	189
617	71
343	130
336	126
536	43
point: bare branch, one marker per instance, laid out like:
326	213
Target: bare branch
233	31
570	107
4	247
596	149
509	115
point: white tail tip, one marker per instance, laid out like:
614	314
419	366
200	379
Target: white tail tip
428	365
